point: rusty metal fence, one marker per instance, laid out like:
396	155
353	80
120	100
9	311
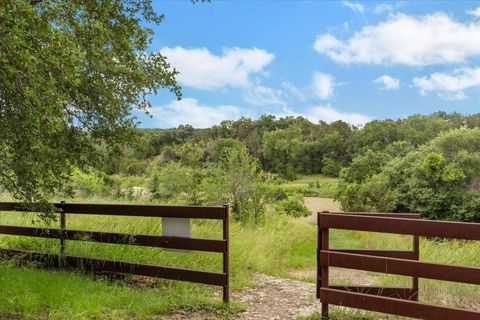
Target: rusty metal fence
395	301
168	242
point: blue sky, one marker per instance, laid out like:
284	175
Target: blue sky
324	60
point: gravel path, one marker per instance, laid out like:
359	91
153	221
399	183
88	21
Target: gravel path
270	298
273	298
277	298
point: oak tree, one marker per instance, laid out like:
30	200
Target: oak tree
71	73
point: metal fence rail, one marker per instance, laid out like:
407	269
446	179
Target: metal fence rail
169	242
396	301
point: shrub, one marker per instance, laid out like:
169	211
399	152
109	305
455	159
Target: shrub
437	180
292	206
86	185
331	167
279	194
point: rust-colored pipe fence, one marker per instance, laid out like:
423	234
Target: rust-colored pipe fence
395	301
168	242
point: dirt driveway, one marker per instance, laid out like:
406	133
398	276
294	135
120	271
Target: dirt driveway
316	204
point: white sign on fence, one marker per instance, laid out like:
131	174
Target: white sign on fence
176	227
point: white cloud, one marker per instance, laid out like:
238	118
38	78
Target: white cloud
323	85
357	7
203	70
387	82
474	12
402	39
386	8
382	8
449	86
188	111
452	96
261	96
292	91
328	114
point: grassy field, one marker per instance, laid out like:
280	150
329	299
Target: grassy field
279	247
321	185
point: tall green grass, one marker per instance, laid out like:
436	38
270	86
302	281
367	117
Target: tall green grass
278	246
281	245
326	185
38	294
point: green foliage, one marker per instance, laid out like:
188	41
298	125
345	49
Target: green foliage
42	295
281	151
191	154
287	146
234	178
330	167
364	166
220	146
279	194
438	180
241	179
311	186
312	190
87	185
177	182
70	74
292	206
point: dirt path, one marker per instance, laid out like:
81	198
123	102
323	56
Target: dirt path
270	298
277	298
273	298
316	204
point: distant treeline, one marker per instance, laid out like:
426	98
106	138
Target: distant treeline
287	146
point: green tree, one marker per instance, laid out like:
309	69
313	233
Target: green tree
439	180
71	72
282	150
374	136
223	145
177	183
240	179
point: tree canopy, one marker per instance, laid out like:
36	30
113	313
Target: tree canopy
71	72
440	179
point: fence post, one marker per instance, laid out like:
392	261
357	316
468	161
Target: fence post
63	225
324	245
226	236
416	250
319	246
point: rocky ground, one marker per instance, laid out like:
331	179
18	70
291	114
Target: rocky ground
278	298
273	298
270	298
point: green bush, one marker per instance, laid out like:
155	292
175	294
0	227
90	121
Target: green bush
279	194
331	167
311	192
174	181
439	180
292	206
87	185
